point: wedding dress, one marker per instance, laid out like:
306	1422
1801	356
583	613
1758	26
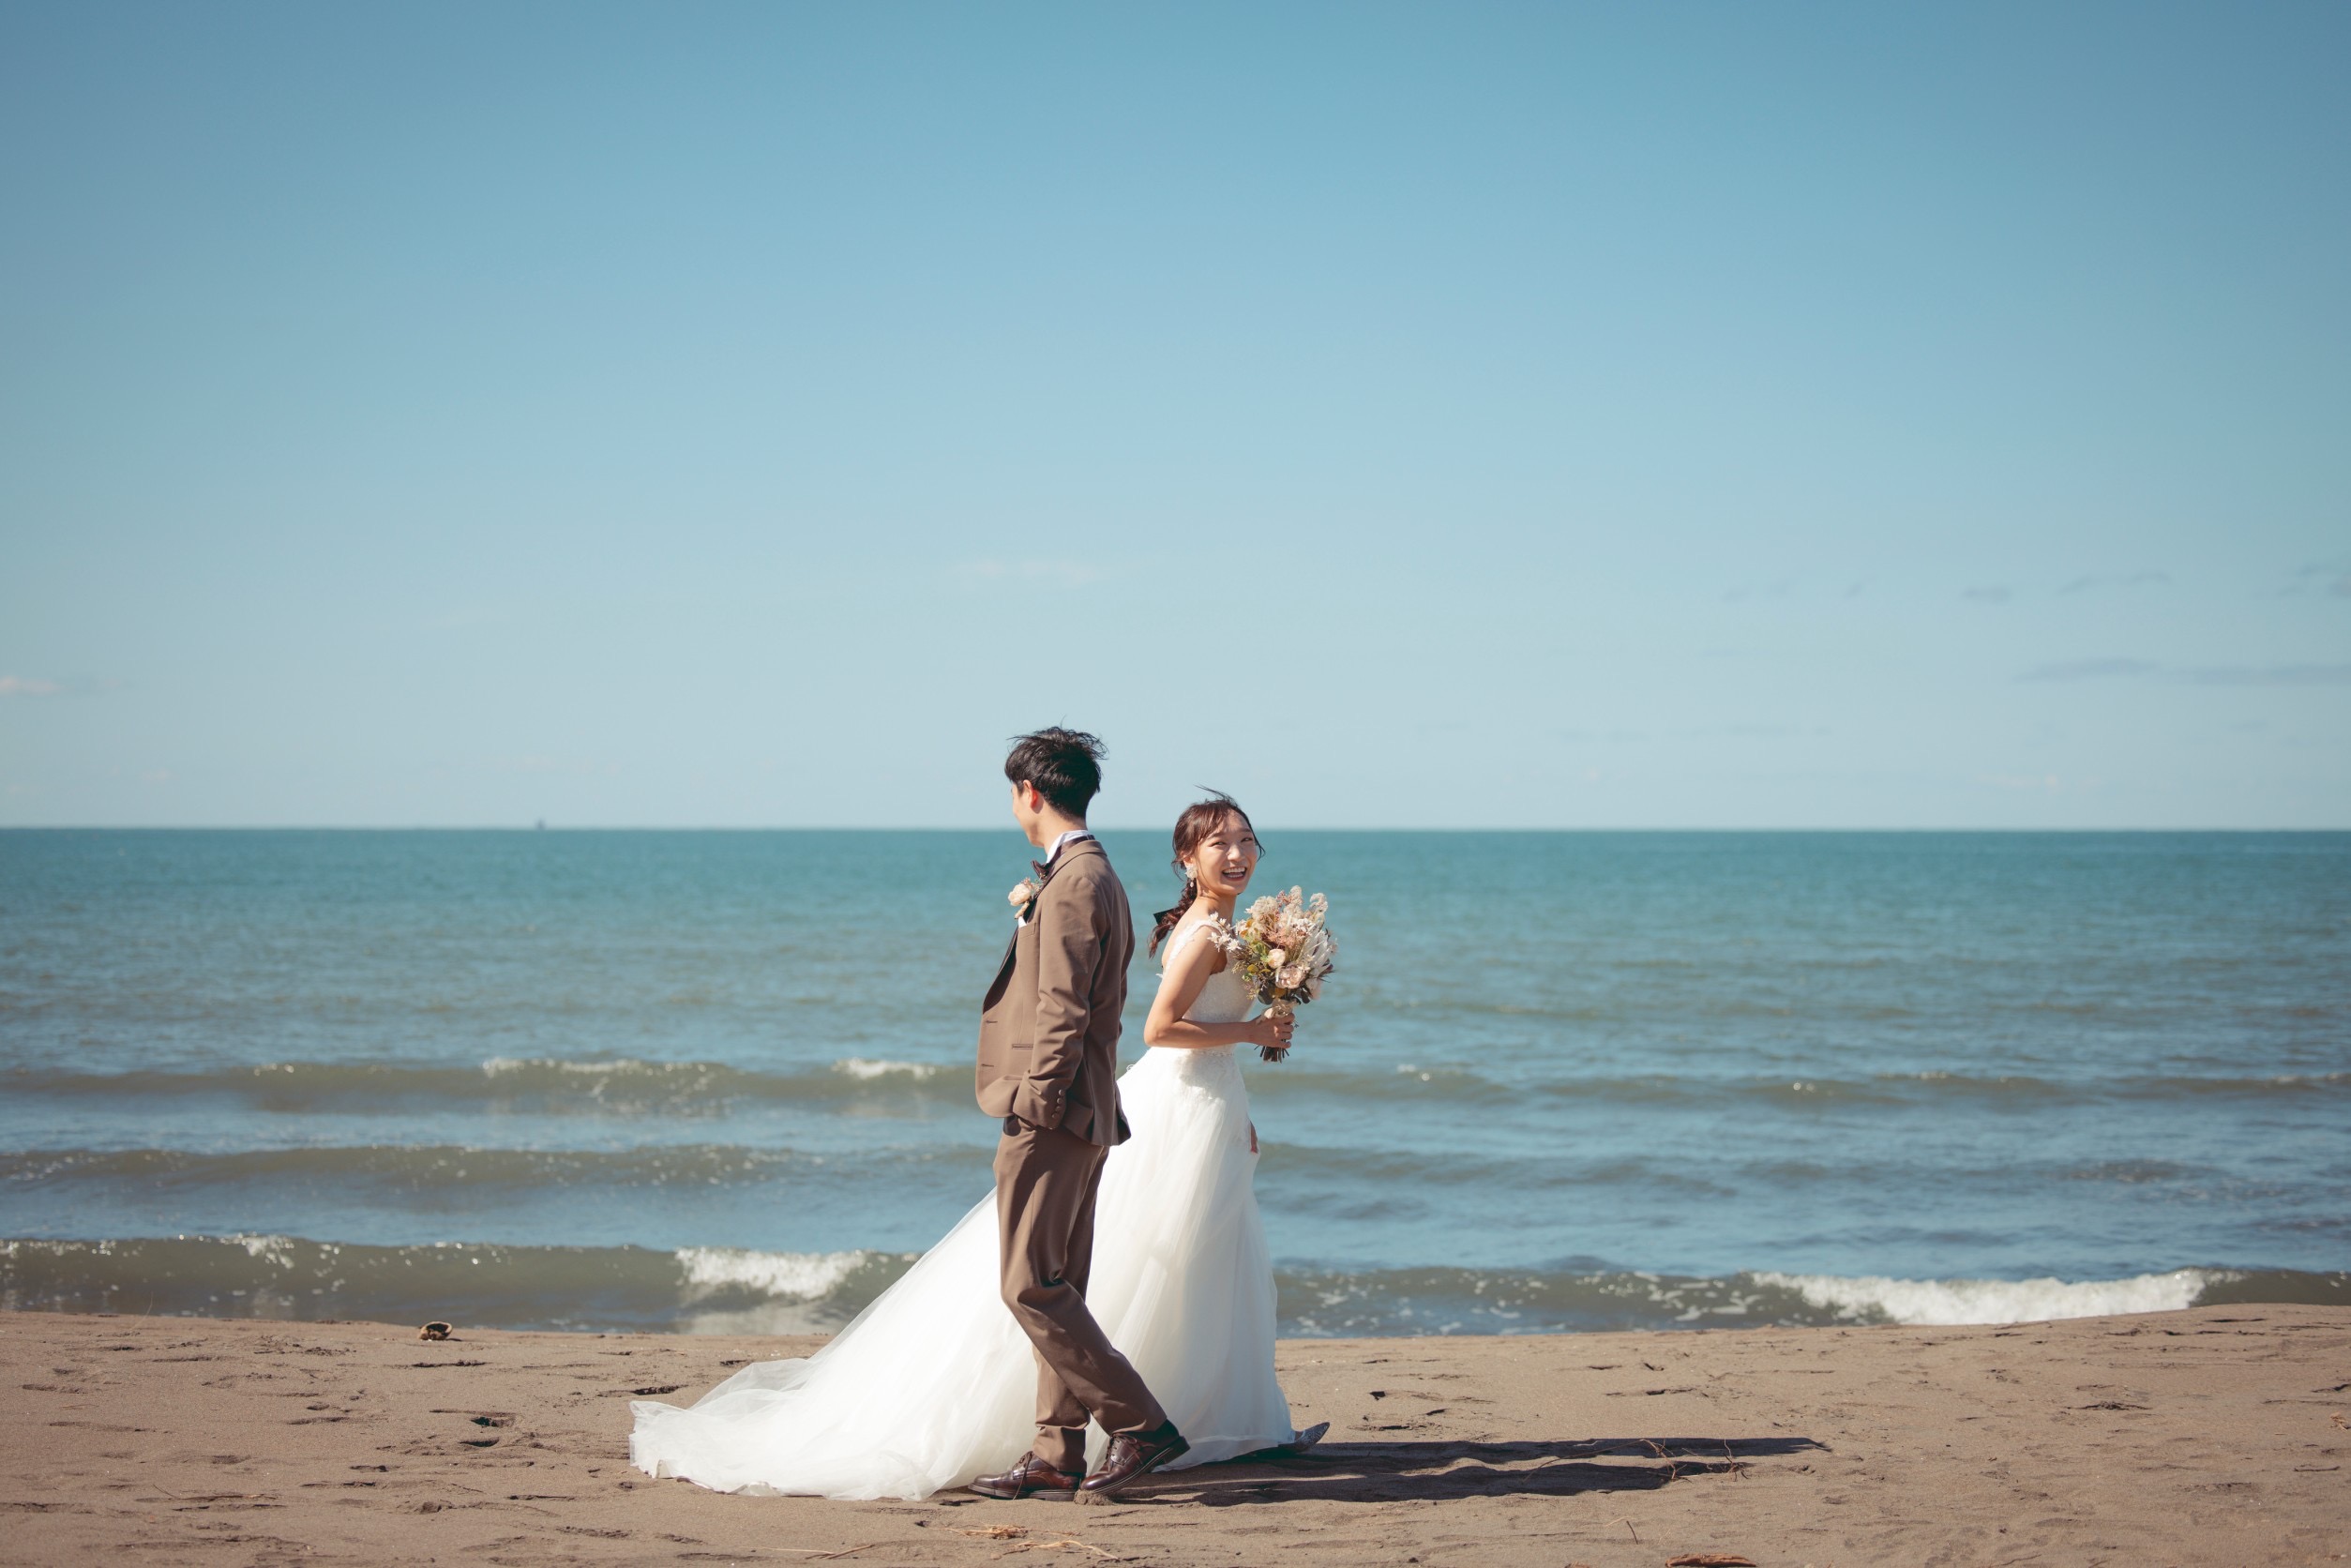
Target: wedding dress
934	1383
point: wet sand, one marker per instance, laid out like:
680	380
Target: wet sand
2213	1436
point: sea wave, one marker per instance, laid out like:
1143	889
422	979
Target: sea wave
1330	1172
732	1289
483	1284
2000	1301
1472	1301
786	1276
629	1085
413	1168
624	1085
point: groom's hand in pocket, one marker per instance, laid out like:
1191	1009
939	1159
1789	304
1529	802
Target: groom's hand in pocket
1041	1105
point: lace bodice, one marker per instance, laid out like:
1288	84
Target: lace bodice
1224	1000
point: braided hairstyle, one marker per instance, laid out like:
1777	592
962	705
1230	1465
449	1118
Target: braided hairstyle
1199	819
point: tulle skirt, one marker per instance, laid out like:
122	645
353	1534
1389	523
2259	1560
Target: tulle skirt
934	1383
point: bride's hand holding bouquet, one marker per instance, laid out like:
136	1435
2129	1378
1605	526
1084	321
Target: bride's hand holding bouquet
1270	1031
1283	952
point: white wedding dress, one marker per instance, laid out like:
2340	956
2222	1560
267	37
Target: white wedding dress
934	1383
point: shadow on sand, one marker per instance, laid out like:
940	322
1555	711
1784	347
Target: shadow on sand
1394	1471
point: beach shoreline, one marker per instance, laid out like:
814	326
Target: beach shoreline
2213	1435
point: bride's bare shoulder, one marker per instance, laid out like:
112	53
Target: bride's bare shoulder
1186	945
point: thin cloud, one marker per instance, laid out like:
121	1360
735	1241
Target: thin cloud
2331	578
2207	674
1990	593
2268	674
2115	580
2088	669
73	685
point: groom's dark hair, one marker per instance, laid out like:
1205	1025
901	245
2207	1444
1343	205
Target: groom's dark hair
1065	765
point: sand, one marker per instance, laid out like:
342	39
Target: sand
2215	1436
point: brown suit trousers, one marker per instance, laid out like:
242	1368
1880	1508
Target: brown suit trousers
1045	1180
1049	1067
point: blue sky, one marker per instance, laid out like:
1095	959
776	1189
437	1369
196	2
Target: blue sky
1479	415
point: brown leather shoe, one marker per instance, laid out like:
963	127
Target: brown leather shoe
1031	1475
1132	1456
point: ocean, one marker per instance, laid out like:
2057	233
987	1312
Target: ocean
721	1081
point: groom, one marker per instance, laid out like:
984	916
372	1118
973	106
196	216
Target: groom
1048	1066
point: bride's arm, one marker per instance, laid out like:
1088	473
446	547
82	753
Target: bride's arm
1179	987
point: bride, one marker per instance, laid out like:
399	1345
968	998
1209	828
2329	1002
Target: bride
932	1385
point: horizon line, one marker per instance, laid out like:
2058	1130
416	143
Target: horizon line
541	826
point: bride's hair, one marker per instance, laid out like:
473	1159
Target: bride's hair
1199	819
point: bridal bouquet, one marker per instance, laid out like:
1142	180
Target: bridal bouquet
1282	952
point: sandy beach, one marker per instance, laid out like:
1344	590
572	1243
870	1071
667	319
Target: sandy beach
2214	1436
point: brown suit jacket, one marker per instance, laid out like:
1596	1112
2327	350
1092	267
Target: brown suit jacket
1049	1029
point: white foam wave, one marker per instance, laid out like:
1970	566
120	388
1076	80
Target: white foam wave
1430	1075
277	1250
785	1275
505	1066
1944	1302
860	1068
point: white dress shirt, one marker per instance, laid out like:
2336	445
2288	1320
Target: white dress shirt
1070	838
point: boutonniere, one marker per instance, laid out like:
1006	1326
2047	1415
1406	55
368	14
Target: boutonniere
1024	894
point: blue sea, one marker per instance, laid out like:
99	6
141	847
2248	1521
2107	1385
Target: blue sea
721	1080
